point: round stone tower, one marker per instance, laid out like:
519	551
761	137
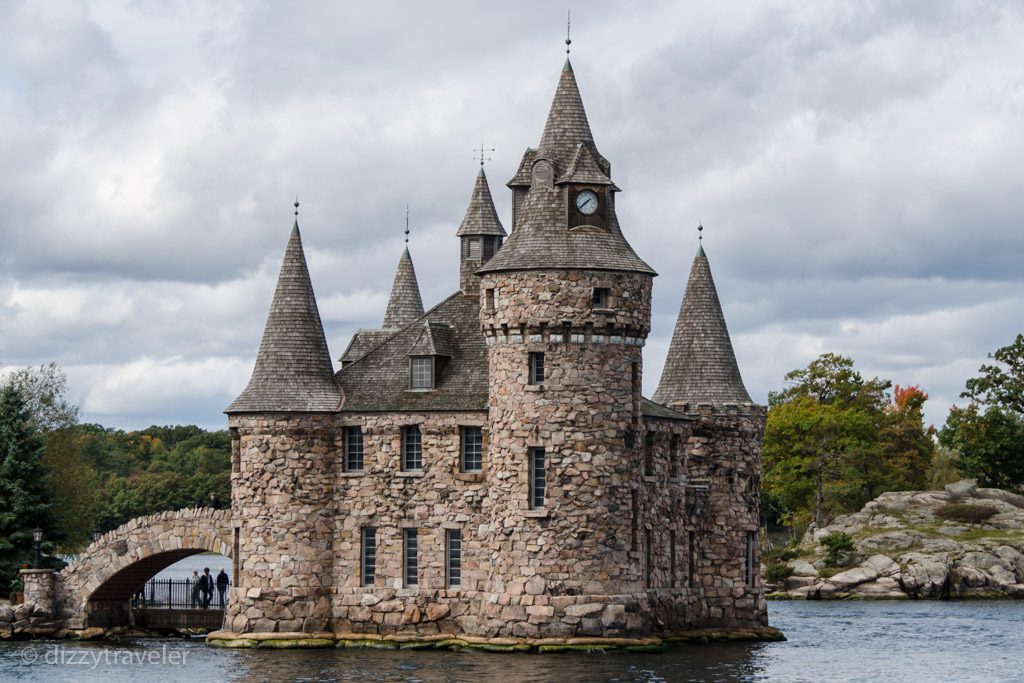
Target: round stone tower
282	478
565	309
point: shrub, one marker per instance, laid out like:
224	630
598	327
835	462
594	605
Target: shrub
774	572
965	512
838	544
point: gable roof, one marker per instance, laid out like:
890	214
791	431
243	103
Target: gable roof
701	365
293	370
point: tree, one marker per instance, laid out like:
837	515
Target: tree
43	389
988	434
834	441
25	498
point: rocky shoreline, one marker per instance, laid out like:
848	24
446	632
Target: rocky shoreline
962	542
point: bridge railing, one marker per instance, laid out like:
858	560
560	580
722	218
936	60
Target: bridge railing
176	594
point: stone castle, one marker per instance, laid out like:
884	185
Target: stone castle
489	467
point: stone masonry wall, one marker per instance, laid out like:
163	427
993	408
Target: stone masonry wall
282	497
440	496
725	454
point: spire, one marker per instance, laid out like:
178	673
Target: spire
405	304
293	370
567	124
701	366
481	217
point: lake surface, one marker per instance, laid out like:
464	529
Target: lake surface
901	642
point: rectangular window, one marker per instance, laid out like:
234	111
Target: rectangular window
691	575
648	557
472	449
453	557
649	454
410	557
536	367
673	458
602	295
538	478
474	248
751	546
488	248
634	507
368	555
412	448
421	372
489	299
353	449
672	557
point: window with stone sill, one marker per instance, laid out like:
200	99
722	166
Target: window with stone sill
536	371
472	449
601	297
538	477
489	299
453	557
412	448
353	449
421	372
410	557
368	555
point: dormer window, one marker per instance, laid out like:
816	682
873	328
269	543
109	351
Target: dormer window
421	372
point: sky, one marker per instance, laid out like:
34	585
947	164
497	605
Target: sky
858	168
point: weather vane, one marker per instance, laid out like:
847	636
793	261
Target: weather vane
483	150
296	206
568	27
407	224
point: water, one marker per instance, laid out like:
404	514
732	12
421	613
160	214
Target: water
182	569
903	642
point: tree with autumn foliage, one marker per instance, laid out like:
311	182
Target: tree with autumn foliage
835	441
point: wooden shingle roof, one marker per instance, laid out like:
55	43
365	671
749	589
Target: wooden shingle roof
701	365
481	217
405	303
379	381
293	370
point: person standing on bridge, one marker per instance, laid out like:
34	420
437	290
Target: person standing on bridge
206	584
222	585
195	589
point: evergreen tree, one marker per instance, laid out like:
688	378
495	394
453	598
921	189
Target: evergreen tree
25	502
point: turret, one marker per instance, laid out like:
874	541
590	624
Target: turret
282	483
702	379
405	304
480	234
565	308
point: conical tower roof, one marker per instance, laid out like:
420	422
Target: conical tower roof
541	238
405	304
701	365
567	125
293	370
481	218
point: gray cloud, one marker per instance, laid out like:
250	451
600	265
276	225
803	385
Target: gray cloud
858	168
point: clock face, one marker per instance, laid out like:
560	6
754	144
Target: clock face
586	202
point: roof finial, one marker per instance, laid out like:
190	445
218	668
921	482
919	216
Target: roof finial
700	230
296	207
407	225
568	27
482	151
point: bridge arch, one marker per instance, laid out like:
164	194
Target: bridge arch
95	589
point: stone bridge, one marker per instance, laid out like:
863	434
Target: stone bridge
96	589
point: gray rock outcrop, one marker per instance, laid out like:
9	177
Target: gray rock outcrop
909	544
